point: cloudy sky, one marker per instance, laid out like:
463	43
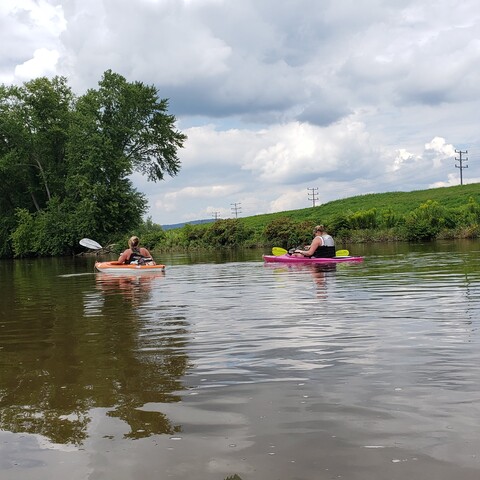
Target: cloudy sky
276	97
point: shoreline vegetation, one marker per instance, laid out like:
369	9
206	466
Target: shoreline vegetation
422	215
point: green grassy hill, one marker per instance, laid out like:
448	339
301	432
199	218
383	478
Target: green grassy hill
398	202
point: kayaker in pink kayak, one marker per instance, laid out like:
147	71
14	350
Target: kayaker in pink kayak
322	246
135	253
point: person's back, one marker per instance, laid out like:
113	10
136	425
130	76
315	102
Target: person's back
136	254
139	256
327	249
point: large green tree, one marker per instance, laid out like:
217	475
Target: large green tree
34	123
67	160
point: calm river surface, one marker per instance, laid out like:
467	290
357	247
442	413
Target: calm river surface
228	366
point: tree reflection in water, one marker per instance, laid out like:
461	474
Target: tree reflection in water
63	356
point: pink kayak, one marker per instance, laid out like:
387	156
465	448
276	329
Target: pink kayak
291	259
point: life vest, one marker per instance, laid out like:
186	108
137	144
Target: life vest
137	257
327	250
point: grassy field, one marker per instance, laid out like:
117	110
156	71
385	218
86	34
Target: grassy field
398	202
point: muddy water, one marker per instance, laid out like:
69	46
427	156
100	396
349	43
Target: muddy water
226	365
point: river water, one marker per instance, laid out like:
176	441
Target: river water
225	366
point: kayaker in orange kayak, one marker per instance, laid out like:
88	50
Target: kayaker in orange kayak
136	254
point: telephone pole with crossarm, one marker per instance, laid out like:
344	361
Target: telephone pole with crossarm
461	166
313	196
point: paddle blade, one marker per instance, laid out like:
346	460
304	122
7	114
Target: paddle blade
277	251
342	253
91	244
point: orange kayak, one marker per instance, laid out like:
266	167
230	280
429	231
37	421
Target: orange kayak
116	267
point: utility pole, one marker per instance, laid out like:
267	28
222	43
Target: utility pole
216	215
461	166
313	196
236	208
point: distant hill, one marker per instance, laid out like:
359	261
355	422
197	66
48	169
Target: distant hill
180	225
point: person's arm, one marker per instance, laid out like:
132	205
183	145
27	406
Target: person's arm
125	256
317	242
147	254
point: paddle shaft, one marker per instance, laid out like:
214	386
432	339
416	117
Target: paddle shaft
277	251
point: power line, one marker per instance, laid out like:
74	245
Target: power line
461	166
313	196
216	215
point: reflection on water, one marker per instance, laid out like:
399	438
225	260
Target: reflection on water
66	352
135	290
319	272
219	366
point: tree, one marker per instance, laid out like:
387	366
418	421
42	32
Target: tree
34	123
136	122
70	158
120	128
